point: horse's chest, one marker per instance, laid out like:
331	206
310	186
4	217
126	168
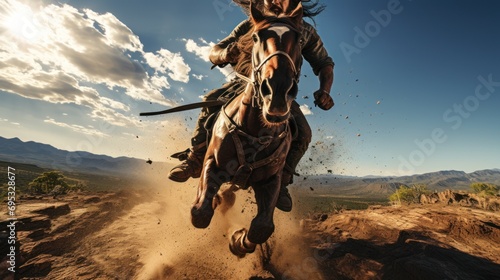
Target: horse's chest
264	160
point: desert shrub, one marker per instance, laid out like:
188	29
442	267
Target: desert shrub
78	186
484	189
49	182
409	194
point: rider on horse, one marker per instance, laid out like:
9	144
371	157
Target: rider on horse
227	51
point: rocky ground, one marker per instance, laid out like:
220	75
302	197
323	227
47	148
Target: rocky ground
409	242
147	235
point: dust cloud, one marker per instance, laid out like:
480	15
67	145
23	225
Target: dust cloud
159	235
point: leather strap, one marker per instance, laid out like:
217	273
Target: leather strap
209	103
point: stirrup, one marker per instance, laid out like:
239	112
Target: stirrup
191	167
182	156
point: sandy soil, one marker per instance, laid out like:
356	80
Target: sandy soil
411	242
146	234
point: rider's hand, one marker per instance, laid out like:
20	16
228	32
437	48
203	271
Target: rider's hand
323	100
231	53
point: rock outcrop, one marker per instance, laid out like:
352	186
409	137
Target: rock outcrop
463	199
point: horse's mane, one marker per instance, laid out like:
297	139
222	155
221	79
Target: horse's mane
245	45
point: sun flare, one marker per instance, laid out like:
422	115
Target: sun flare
19	21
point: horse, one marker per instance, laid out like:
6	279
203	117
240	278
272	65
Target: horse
251	136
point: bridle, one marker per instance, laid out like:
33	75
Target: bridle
256	81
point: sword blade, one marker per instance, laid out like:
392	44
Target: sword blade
185	107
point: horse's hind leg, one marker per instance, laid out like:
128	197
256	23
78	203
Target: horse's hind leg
203	210
262	225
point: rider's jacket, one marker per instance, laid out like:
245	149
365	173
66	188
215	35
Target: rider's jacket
312	47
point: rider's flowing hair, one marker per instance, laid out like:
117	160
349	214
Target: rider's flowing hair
311	8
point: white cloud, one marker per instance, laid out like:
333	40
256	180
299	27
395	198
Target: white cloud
165	61
228	72
199	50
203	50
204	41
60	54
198	77
306	110
116	33
77	128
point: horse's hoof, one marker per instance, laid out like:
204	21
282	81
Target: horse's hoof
237	244
201	216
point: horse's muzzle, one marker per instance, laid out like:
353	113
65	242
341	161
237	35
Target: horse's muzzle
273	119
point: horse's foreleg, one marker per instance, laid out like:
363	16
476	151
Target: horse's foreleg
262	225
210	182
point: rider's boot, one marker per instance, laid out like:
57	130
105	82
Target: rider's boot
190	167
284	202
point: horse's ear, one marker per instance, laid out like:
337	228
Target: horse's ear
297	14
256	15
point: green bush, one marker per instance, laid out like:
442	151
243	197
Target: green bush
49	182
409	194
484	189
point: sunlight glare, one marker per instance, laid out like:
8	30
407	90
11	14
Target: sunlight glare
19	20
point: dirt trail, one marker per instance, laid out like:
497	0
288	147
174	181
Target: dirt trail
146	234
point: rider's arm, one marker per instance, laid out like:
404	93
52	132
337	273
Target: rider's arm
226	50
322	64
317	56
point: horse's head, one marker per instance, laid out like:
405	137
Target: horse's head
276	59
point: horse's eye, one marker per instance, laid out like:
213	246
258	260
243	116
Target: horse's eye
255	38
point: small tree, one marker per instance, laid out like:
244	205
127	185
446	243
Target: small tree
409	194
46	182
484	189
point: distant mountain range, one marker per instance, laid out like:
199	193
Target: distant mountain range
46	156
383	186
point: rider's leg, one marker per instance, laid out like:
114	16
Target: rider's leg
297	150
191	167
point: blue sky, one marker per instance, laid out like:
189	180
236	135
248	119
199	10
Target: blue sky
417	83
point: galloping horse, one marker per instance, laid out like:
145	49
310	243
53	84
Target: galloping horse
251	136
